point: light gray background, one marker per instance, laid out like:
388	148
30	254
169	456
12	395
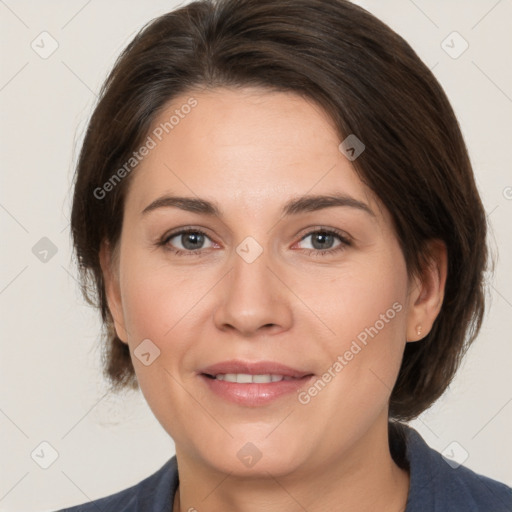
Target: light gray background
51	386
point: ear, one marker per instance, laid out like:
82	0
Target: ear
109	268
427	292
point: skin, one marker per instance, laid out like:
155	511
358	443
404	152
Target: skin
249	151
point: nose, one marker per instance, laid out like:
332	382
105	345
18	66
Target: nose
254	298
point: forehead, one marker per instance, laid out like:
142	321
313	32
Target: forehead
248	148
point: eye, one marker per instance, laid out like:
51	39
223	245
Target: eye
187	240
325	241
191	242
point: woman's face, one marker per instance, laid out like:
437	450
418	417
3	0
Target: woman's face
320	287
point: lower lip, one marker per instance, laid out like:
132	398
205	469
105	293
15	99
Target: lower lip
252	395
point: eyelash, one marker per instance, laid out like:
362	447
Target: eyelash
345	242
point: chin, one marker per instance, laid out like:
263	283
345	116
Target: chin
256	459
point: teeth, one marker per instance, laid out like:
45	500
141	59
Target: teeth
245	378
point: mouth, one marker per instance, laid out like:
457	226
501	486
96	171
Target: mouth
247	378
253	383
250	369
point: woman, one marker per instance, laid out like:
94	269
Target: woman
233	139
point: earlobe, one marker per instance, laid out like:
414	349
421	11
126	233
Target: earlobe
112	289
428	295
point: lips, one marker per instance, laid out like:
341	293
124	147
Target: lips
253	384
253	368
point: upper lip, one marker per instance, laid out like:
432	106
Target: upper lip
253	368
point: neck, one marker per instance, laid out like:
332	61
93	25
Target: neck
362	479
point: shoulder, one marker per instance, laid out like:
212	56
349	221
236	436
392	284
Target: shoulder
441	485
156	492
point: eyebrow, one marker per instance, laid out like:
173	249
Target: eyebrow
294	206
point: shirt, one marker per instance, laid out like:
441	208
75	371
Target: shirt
436	484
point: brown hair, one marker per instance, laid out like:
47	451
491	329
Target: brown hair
370	82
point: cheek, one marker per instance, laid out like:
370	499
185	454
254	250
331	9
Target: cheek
364	301
375	310
157	306
162	303
146	308
364	307
154	299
